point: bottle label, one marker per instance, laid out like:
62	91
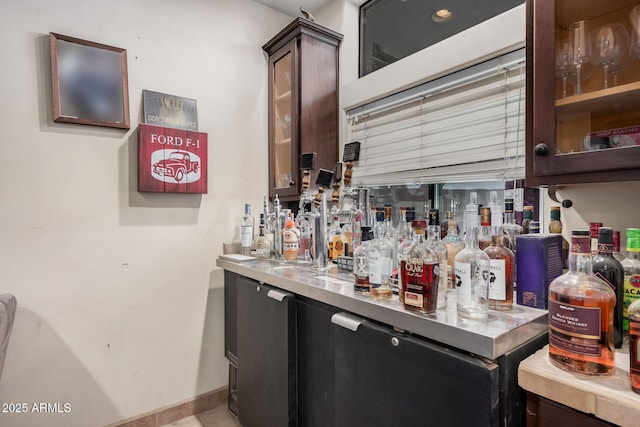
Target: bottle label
360	267
631	293
246	236
413	299
605	248
375	270
419	283
463	283
338	247
571	327
497	280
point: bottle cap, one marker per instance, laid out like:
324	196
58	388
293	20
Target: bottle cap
418	223
434	217
555	213
580	242
366	233
485	217
593	228
528	212
290	224
633	239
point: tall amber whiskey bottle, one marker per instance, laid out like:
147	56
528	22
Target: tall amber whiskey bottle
581	315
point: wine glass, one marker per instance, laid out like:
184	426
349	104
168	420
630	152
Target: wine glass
634	48
564	64
610	44
580	45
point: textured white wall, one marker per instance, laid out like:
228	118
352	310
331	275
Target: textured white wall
120	304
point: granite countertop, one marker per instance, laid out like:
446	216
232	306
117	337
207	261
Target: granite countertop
607	397
489	338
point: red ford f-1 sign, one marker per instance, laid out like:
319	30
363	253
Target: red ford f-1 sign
171	160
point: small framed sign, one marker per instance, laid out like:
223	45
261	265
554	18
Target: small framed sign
351	152
172	111
89	82
171	160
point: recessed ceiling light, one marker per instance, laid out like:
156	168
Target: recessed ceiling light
442	15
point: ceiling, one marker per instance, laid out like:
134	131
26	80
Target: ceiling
292	7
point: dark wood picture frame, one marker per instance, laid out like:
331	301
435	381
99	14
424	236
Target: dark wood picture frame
89	82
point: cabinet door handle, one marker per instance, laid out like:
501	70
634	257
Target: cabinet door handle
276	295
541	150
347	321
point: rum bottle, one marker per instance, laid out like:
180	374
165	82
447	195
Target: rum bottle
631	266
634	345
581	315
472	279
609	269
420	273
435	243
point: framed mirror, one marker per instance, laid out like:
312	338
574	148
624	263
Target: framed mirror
89	82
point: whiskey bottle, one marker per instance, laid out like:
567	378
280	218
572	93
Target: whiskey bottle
435	243
417	227
510	228
581	315
472	279
361	263
246	230
484	233
631	266
502	273
634	345
609	269
420	273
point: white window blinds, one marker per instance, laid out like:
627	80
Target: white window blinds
466	126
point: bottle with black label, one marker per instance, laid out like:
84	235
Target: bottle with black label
609	269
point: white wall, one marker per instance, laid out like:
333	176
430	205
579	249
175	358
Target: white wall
120	307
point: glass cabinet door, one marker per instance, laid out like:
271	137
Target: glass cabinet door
283	125
589	62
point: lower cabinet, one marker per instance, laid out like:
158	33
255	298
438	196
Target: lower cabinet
385	378
544	412
266	355
302	362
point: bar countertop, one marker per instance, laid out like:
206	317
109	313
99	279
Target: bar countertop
490	338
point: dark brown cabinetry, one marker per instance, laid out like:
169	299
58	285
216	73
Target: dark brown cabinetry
582	134
303	103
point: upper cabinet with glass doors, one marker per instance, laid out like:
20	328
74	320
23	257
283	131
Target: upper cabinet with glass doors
583	91
303	103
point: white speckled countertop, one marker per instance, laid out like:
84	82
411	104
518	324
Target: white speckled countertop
609	398
490	338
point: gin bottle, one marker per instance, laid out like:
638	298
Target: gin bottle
472	279
581	315
246	230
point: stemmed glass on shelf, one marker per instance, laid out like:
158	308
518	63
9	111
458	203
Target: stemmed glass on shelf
610	45
564	64
580	45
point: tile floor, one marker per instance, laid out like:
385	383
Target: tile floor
216	417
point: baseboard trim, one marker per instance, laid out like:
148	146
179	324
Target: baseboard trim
171	413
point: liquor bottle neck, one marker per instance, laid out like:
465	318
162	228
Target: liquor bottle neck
509	218
471	238
580	257
434	232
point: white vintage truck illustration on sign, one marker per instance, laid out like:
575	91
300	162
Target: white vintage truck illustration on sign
175	166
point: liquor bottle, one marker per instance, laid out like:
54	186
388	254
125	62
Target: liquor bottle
634	345
405	237
290	241
444	225
631	265
527	217
593	229
555	227
616	246
246	230
336	245
510	228
609	269
419	270
454	244
435	243
389	234
379	256
303	223
262	245
472	279
581	315
496	210
361	263
502	273
484	232
403	230
470	214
